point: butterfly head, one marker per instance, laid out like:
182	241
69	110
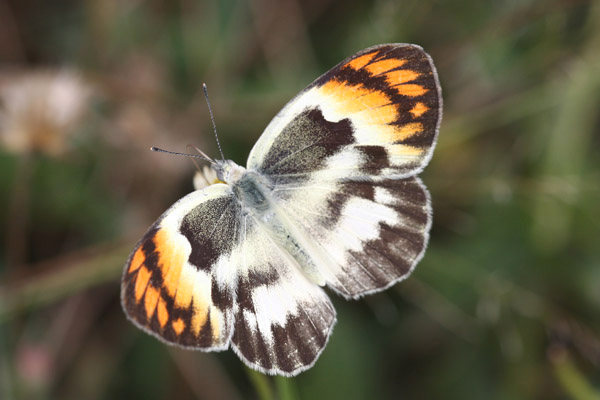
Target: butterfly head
228	171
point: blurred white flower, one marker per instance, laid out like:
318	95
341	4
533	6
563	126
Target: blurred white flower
40	111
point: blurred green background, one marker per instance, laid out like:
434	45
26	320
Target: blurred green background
505	304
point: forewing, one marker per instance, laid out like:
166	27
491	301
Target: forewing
364	236
283	321
375	115
179	284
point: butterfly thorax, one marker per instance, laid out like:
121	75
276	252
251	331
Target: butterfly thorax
252	191
250	188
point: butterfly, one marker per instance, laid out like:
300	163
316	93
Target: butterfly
329	198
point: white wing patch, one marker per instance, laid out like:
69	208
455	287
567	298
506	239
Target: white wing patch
359	222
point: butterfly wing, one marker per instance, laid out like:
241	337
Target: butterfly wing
205	275
342	156
179	284
364	236
282	321
375	115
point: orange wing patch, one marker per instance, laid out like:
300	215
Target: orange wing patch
178	326
383	66
360	62
150	300
406	131
411	90
401	76
419	109
181	284
352	99
172	256
162	257
141	282
394	76
138	259
162	312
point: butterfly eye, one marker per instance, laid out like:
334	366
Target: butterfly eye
228	171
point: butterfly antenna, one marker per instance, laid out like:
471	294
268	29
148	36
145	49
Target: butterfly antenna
212	120
191	146
201	155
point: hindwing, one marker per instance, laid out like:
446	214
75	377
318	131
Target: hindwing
282	320
364	236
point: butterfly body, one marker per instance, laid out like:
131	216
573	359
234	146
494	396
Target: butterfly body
329	198
254	195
